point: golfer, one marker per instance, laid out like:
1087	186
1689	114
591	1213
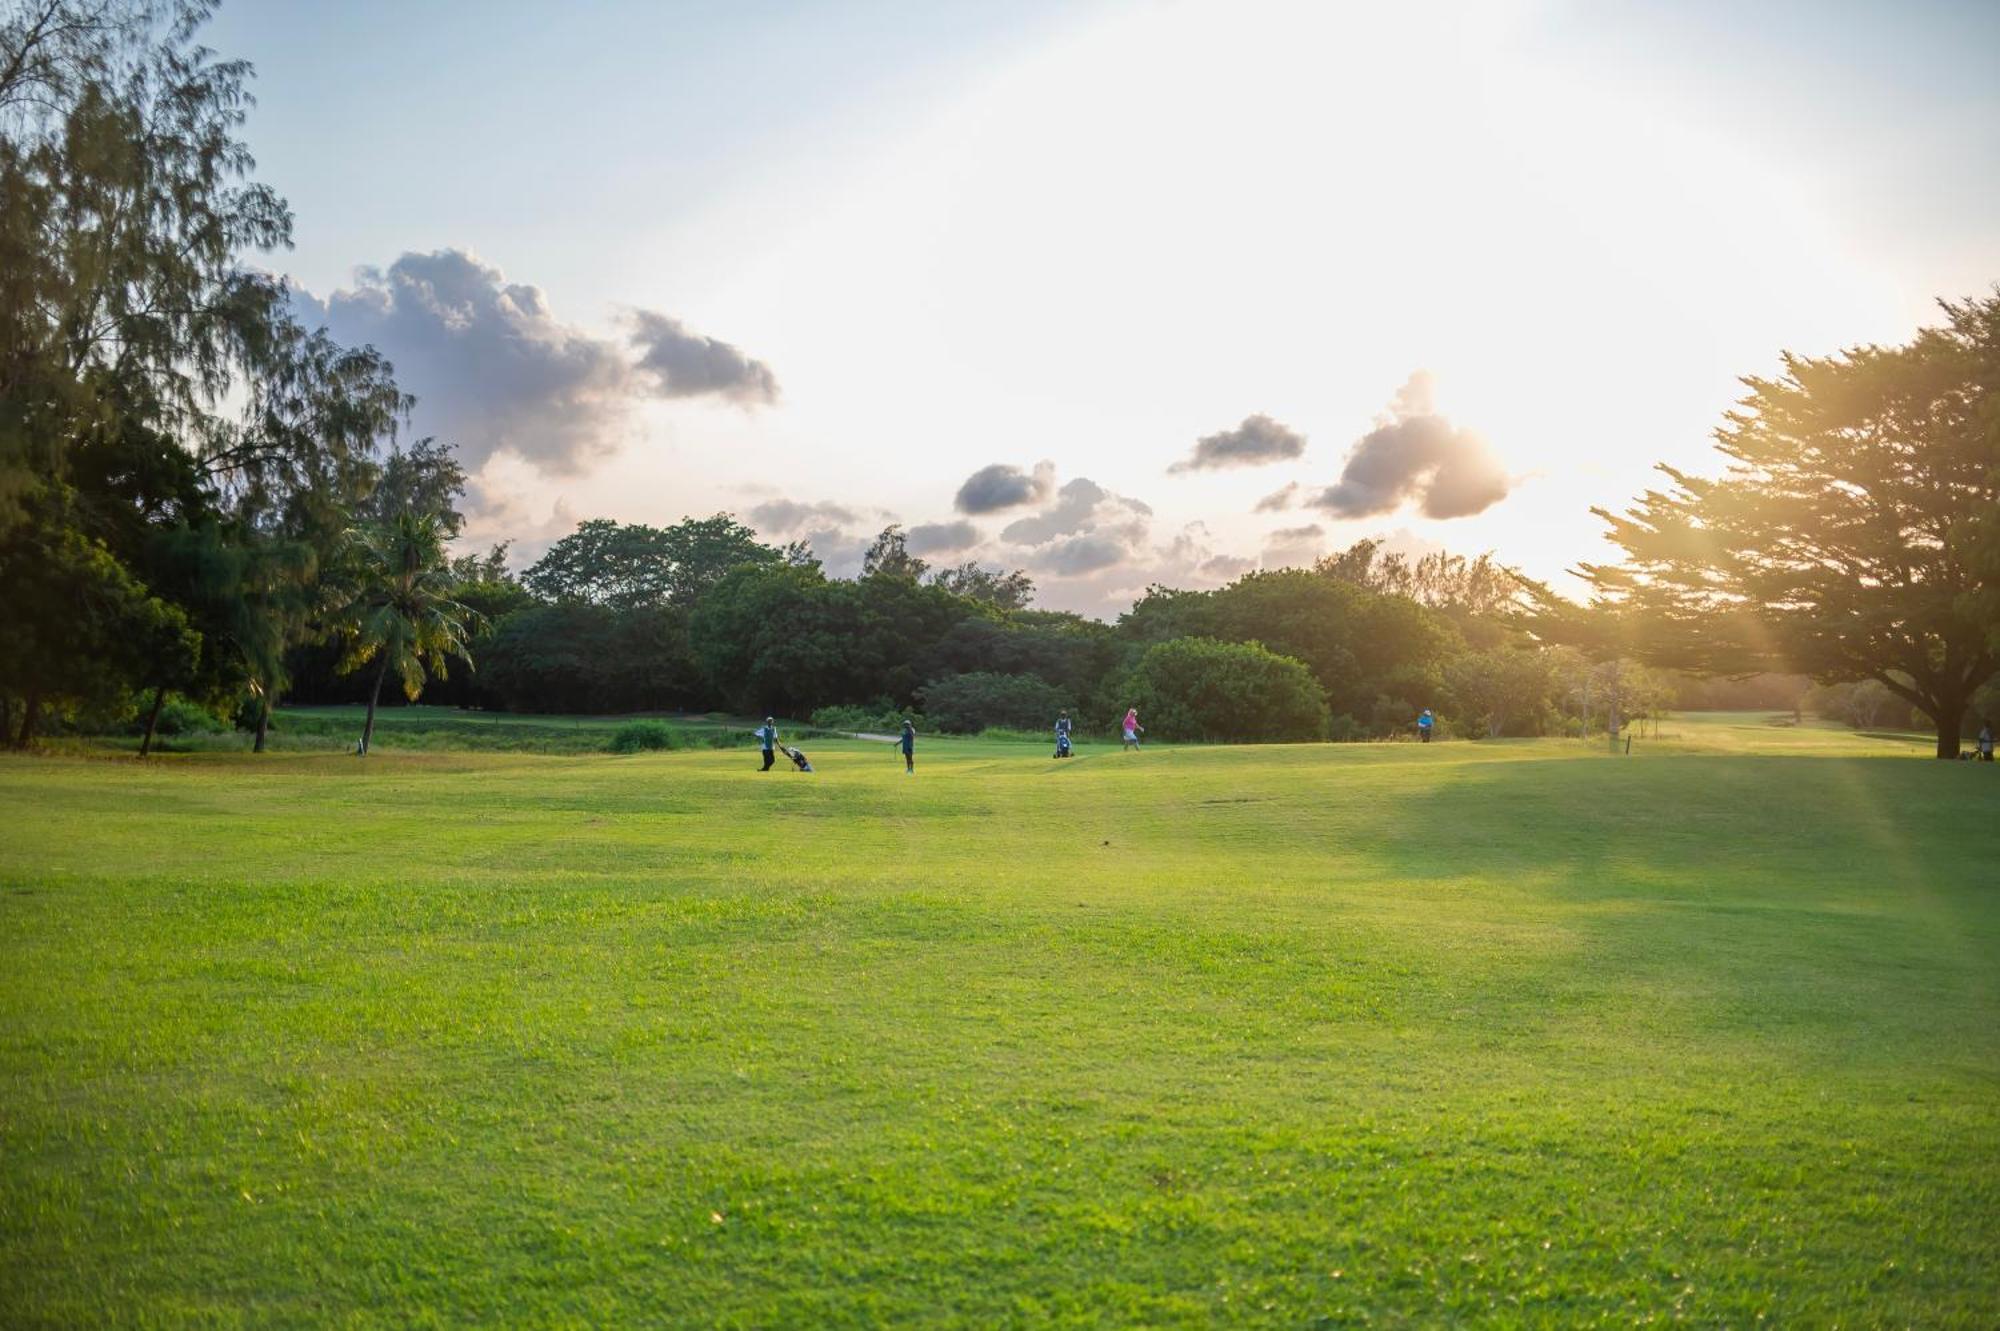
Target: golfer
1132	728
1424	724
1062	735
768	734
908	744
1985	741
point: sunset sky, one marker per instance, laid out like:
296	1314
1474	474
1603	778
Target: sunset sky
1115	292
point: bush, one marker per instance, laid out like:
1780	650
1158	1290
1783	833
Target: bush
881	716
1028	736
1344	728
644	736
1202	689
967	704
178	716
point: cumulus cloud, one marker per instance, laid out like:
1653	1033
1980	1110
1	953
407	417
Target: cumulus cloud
840	552
1415	455
496	372
1257	441
1082	507
1225	568
999	486
1071	556
690	365
1099	575
503	504
837	534
1294	547
933	538
783	517
1086	533
1284	497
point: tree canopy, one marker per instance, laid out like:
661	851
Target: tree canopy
629	565
1843	539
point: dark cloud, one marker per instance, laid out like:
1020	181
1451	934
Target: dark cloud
1257	441
991	489
932	538
495	371
783	517
690	365
1417	456
1284	497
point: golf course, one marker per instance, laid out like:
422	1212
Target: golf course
1508	1033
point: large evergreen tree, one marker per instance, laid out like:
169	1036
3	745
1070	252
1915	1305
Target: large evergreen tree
156	394
1835	543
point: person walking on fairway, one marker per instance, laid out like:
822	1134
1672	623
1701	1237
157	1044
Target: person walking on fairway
1132	728
768	734
1985	741
908	743
1062	735
1424	724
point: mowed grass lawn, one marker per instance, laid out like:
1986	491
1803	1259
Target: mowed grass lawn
1487	1034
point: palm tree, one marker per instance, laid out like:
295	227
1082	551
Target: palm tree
403	616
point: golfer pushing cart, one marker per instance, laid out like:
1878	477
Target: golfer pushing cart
767	737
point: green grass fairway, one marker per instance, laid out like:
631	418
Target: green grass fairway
334	729
1505	1034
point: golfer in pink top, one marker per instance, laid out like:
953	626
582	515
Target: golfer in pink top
1132	728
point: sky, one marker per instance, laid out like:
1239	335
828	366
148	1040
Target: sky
1121	292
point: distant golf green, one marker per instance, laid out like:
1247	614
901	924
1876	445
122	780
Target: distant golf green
1496	1034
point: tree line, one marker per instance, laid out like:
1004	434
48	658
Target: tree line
205	502
703	616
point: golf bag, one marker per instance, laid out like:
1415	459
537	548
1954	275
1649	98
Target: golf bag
798	758
1062	744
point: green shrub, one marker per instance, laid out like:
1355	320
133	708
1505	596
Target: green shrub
644	736
1344	728
881	716
1202	689
967	704
178	716
1047	736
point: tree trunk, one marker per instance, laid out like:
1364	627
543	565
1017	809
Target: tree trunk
152	720
263	722
374	695
1611	724
1948	715
33	705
